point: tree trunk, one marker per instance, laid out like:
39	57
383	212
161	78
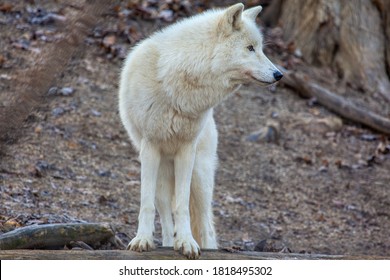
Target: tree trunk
351	37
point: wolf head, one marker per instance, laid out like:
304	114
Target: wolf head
240	48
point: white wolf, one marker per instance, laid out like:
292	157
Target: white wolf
169	85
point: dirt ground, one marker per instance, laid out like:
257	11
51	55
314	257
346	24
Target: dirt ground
318	185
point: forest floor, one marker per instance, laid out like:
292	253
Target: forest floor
320	185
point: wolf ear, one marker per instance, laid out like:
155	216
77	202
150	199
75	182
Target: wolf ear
232	18
252	13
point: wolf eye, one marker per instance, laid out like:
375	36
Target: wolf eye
250	48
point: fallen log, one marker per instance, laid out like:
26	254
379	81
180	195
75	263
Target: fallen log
54	235
335	103
165	254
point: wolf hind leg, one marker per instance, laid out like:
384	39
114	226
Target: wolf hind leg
202	218
164	197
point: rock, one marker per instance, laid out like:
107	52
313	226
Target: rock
166	15
58	111
104	173
368	137
43	18
66	91
52	91
95	113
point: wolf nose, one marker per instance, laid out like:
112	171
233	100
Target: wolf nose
278	75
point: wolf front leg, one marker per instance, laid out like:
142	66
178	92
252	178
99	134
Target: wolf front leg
183	239
150	161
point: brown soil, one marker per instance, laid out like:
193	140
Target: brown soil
313	188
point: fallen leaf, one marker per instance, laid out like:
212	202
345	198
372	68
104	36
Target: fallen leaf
11	224
2	60
6	7
320	218
109	41
305	159
73	145
383	148
38	129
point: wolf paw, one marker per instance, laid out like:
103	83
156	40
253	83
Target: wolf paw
188	247
141	243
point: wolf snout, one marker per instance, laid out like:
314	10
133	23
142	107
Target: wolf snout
278	75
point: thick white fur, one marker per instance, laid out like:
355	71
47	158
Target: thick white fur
169	85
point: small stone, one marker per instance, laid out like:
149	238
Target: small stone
323	169
52	91
96	113
66	91
166	15
368	137
58	111
104	173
